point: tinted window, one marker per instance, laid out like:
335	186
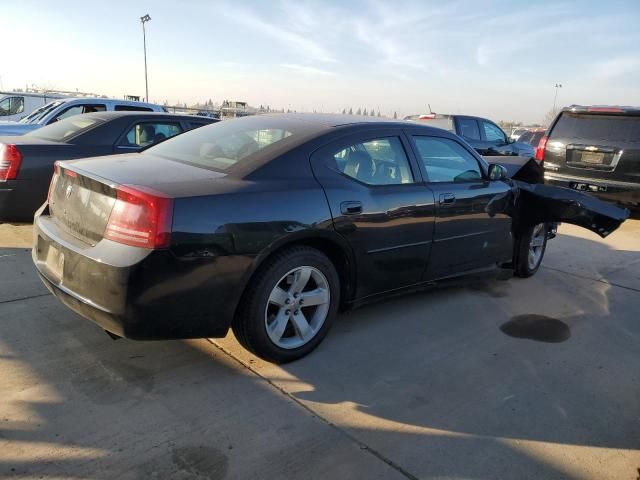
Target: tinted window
535	139
597	127
469	128
381	161
193	125
11	106
65	130
132	108
446	160
226	144
525	137
493	133
78	109
143	134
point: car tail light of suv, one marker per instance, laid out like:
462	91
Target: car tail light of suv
140	217
542	145
10	160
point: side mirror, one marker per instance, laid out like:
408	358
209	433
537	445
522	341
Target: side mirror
497	172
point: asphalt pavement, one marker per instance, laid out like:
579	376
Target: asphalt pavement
517	379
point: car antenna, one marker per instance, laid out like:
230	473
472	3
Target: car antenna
429	105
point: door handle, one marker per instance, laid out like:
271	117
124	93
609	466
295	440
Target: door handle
447	199
351	208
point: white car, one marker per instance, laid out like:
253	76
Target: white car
67	107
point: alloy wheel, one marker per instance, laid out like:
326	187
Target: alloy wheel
536	246
297	307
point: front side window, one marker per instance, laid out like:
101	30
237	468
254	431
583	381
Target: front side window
445	160
381	161
11	106
493	133
78	109
469	128
144	134
132	108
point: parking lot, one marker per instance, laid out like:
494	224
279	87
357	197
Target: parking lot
423	386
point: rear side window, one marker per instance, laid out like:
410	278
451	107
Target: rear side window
143	134
132	108
525	137
597	127
79	109
381	161
469	128
446	160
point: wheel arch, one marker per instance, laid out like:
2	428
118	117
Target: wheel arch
329	243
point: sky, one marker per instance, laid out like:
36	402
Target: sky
498	59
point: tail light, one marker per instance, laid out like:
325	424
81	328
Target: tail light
54	181
140	217
10	161
542	145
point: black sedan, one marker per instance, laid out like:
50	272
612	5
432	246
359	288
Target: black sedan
271	224
26	162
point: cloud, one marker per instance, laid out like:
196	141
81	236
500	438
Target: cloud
279	31
618	66
306	69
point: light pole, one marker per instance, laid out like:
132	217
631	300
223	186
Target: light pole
144	20
558	85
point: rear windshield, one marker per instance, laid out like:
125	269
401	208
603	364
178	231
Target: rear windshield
597	127
223	145
66	129
444	123
38	114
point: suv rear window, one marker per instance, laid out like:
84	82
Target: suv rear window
597	127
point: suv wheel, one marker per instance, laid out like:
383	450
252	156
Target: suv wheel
289	306
530	246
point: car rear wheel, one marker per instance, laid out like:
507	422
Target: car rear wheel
530	246
289	306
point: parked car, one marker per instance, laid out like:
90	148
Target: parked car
485	136
532	136
595	149
516	132
269	224
26	162
17	105
68	107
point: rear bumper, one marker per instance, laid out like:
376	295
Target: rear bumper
134	292
626	193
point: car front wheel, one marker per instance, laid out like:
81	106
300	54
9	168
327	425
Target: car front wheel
530	246
289	306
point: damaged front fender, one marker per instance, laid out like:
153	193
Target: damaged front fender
530	202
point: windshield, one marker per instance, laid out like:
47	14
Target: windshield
223	145
66	129
38	114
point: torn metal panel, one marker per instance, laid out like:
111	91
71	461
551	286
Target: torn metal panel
530	202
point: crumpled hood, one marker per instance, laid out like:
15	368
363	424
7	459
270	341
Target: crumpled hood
530	201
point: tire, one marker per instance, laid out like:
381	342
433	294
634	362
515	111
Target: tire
270	321
529	249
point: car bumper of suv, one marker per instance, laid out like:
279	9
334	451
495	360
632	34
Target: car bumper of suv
626	193
137	293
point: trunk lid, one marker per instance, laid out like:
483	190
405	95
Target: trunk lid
602	146
83	192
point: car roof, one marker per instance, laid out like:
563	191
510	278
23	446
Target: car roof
323	120
103	100
604	109
111	115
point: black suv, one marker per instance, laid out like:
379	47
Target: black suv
595	149
483	135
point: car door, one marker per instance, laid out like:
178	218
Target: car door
142	134
380	205
466	237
